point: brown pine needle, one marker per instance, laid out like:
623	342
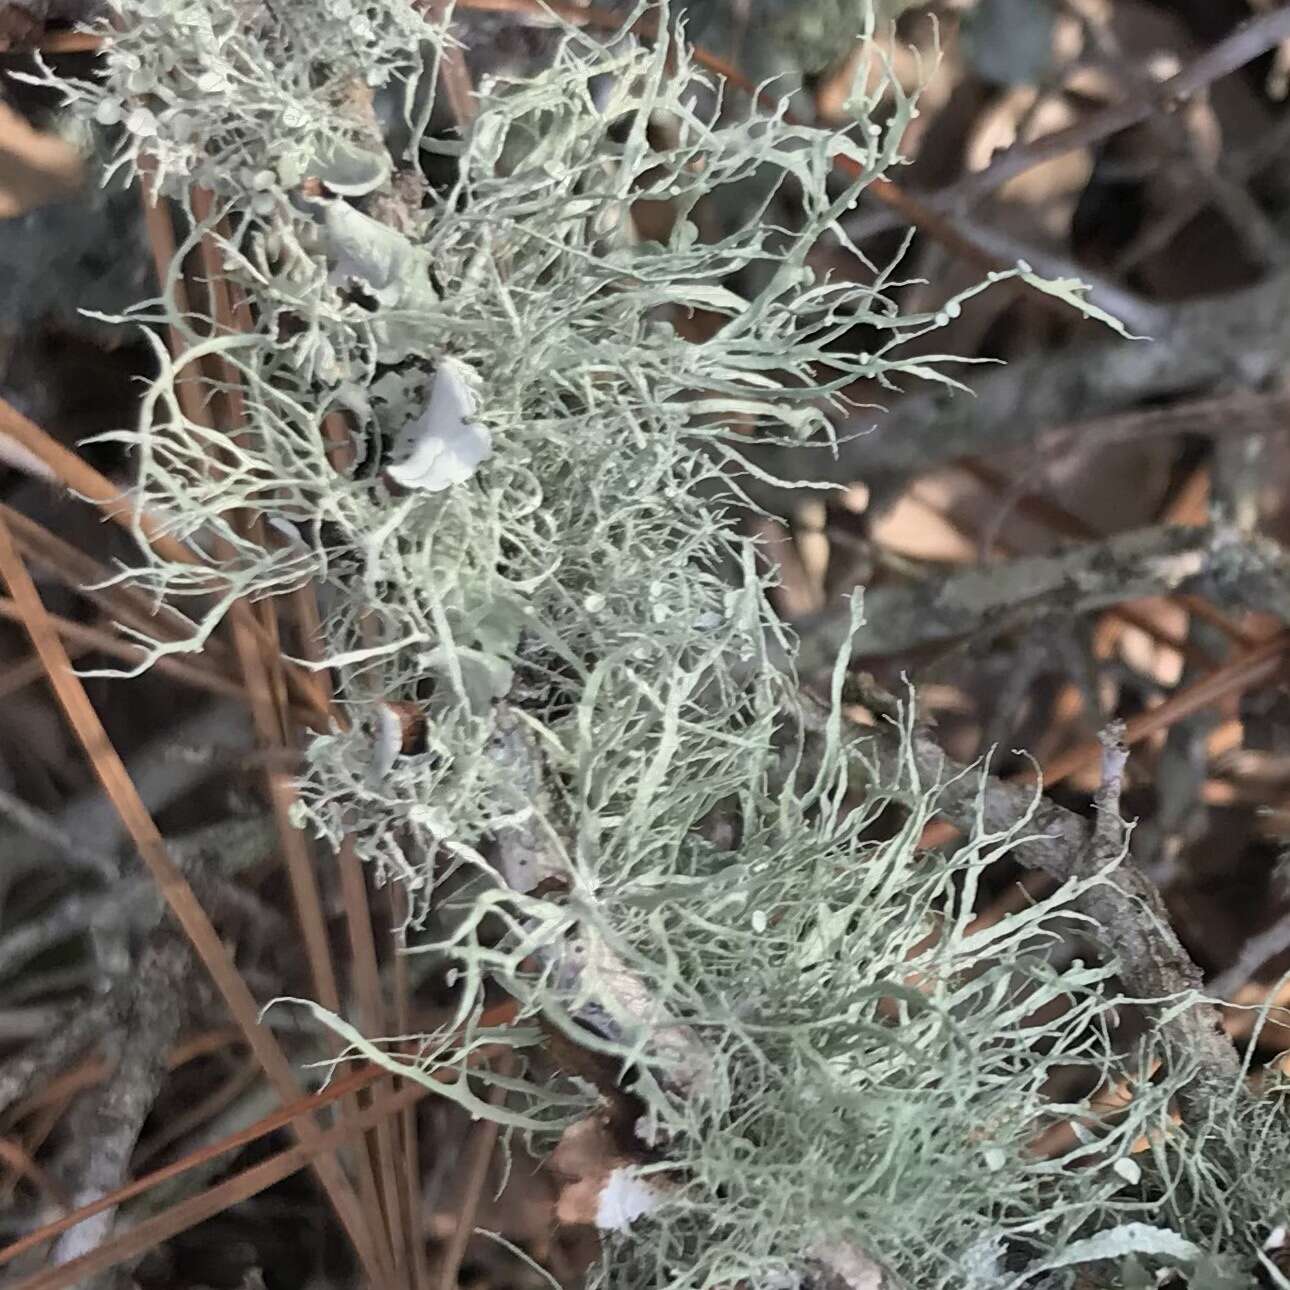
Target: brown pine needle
483	1139
411	1191
256	641
283	1116
80	477
17	676
19	1160
86	637
367	980
95	1070
84	575
341	1086
196	1209
179	896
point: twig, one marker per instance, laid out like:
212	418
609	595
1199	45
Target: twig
71	850
1249	669
1247	571
41	983
1228	195
1051	514
160	774
345	1085
94	1070
1252	955
20	675
123	903
193	1117
1129	566
1108	828
342	1086
83	1026
107	1127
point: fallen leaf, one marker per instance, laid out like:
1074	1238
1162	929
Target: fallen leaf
601	1187
35	168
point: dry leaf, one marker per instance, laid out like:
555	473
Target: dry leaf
602	1187
35	168
584	1158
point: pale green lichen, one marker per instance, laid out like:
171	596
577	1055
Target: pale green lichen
831	1055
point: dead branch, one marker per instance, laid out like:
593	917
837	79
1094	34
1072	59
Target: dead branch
1242	46
1235	568
135	817
1109	832
82	1027
1252	955
162	775
72	851
127	903
1011	593
107	1125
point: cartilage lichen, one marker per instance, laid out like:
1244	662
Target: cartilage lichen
833	1055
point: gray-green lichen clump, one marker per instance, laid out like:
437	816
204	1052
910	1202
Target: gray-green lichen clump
529	535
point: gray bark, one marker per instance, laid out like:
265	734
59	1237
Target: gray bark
1225	564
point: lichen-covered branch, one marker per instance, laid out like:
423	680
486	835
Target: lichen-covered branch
610	811
81	1028
1126	909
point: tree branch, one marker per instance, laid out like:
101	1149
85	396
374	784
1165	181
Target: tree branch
1221	562
108	1123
